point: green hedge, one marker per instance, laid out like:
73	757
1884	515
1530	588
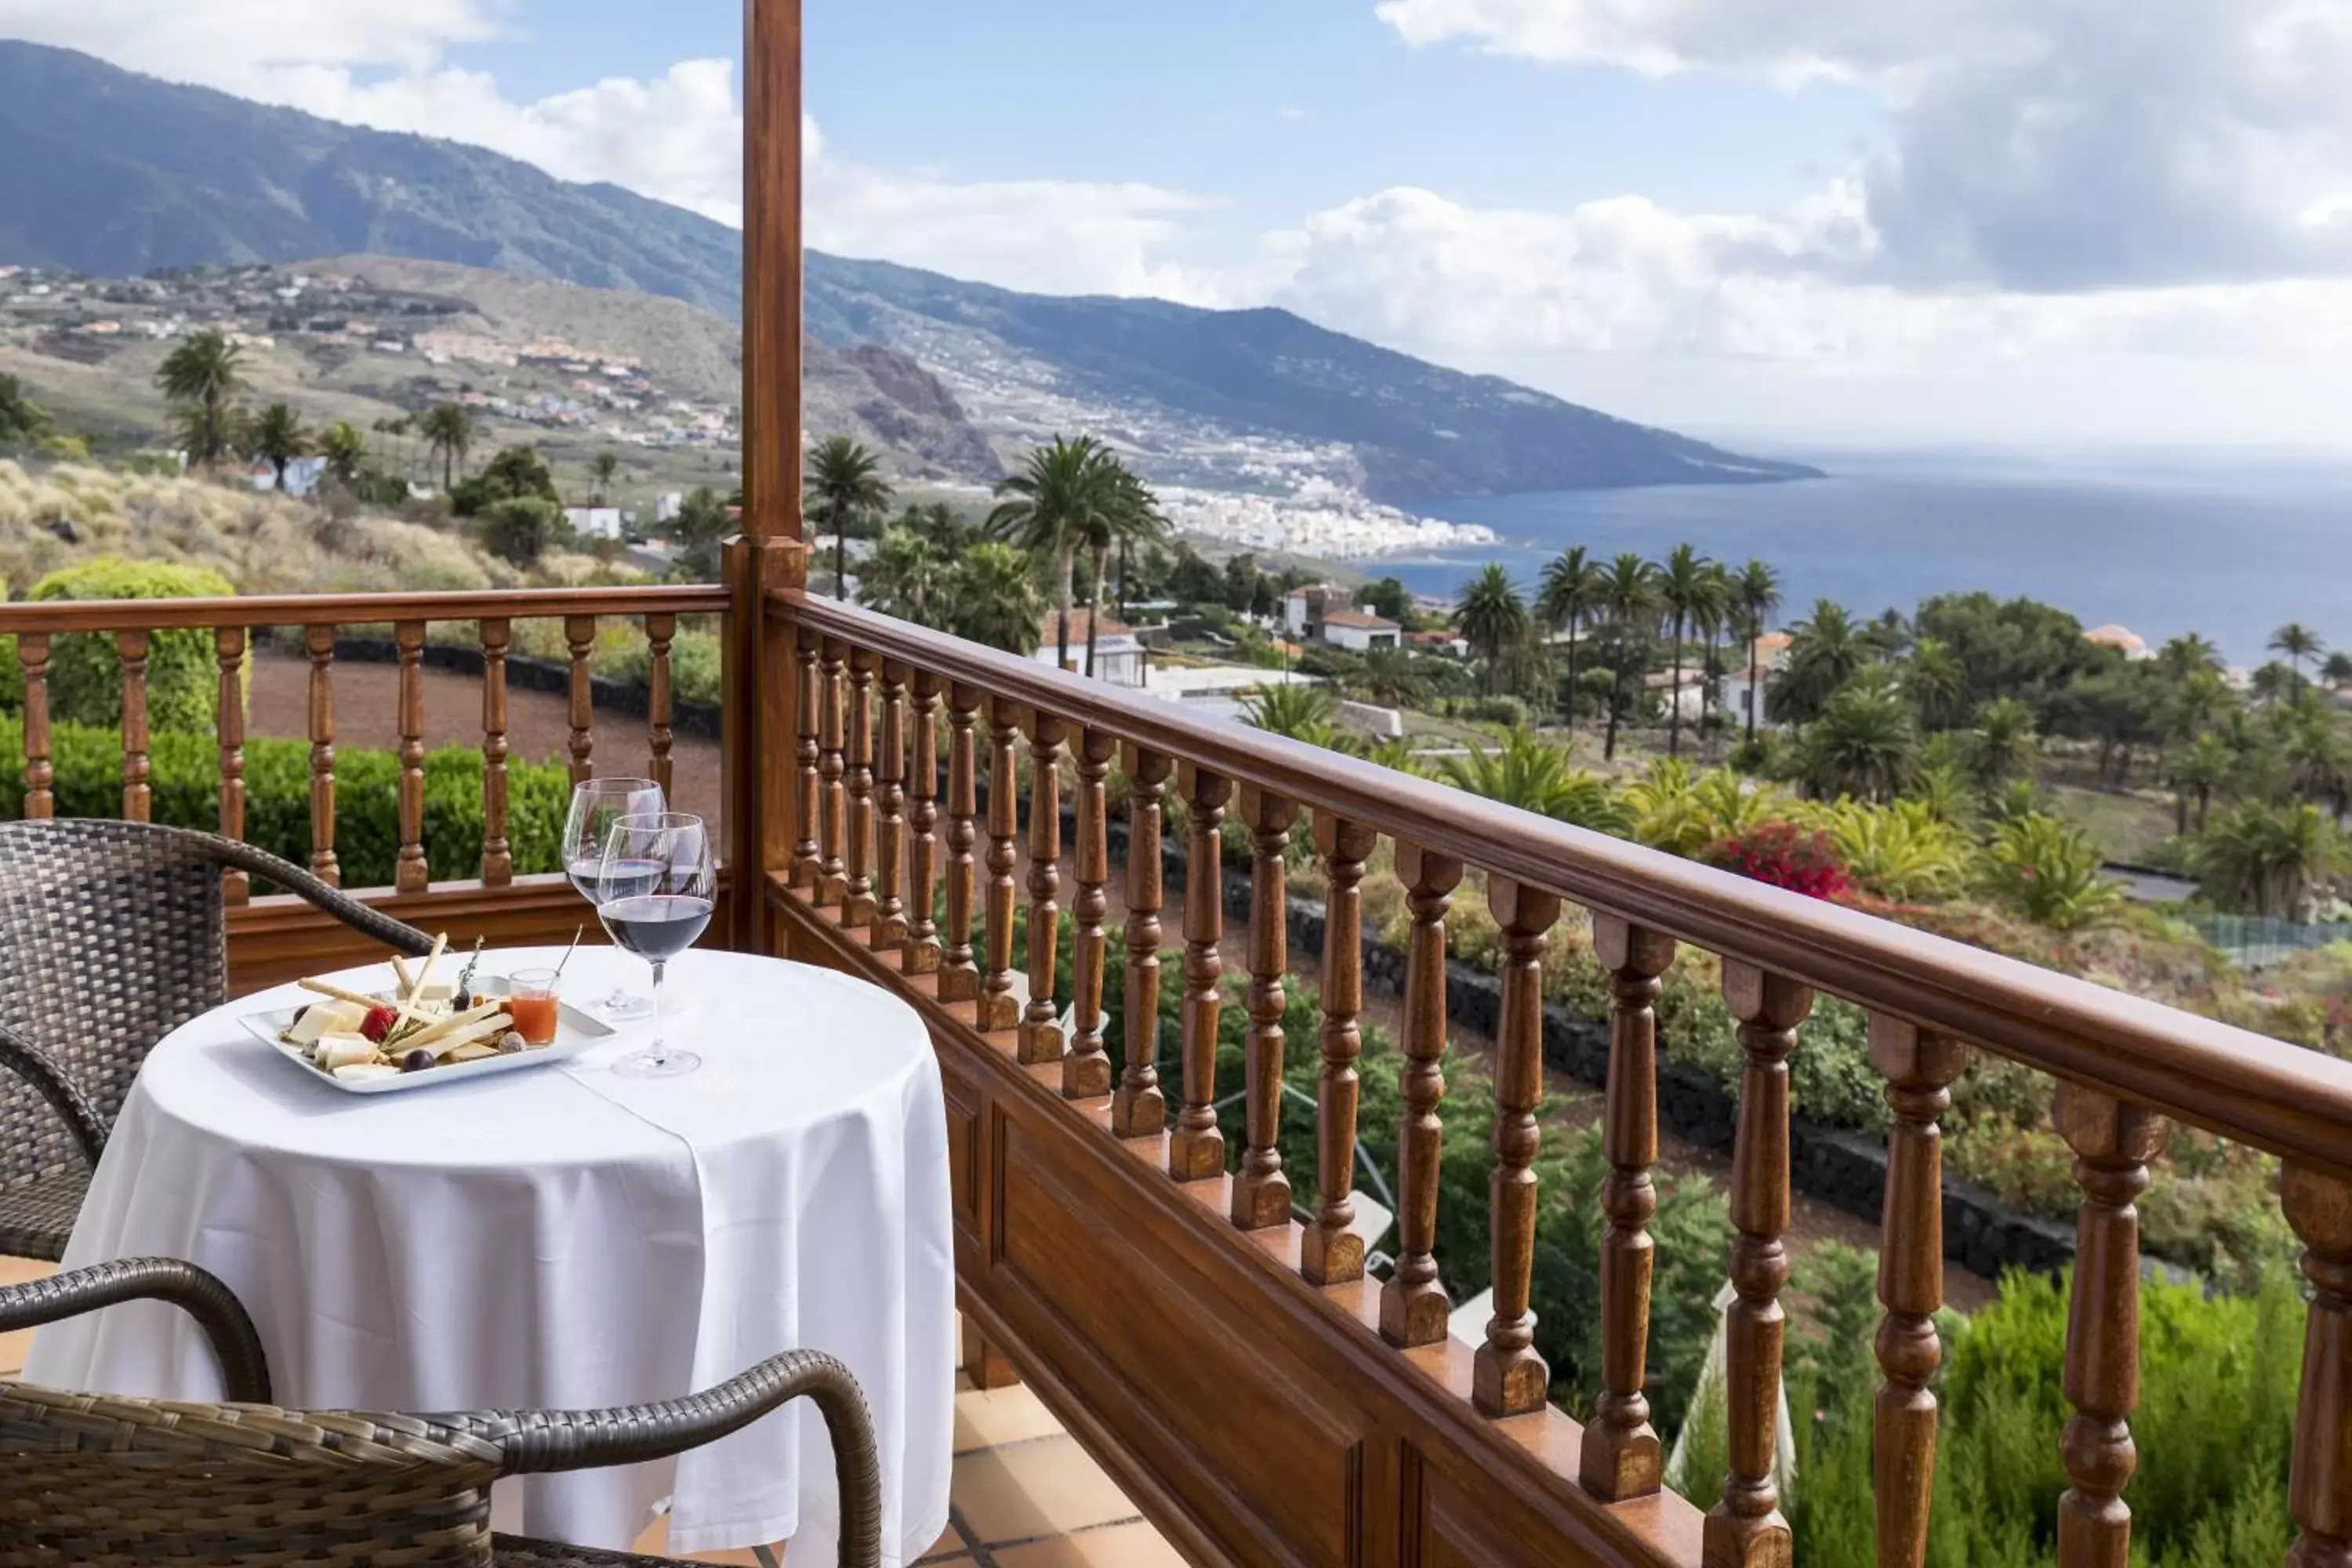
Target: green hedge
85	673
186	794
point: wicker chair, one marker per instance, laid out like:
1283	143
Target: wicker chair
108	1482
111	935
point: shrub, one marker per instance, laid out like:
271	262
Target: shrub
186	794
2050	872
85	671
1783	855
519	531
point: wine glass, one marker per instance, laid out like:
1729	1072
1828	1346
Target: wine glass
655	896
596	806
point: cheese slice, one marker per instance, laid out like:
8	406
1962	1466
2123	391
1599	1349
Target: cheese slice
480	1031
344	1050
325	1019
365	1072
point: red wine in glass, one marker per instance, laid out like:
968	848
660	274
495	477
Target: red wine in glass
655	927
655	886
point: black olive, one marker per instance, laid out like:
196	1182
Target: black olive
463	1000
417	1061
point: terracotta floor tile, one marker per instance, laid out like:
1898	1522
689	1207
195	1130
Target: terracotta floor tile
23	1270
1046	1488
14	1347
992	1417
1120	1546
946	1548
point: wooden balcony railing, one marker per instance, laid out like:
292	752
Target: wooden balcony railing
1235	1366
278	937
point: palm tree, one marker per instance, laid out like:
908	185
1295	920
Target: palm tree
1757	592
345	451
1492	618
991	597
2003	745
448	432
1938	682
842	481
278	439
2298	642
1535	775
604	471
1063	493
904	577
21	418
1824	653
1863	744
2337	670
203	376
1132	513
1305	713
1684	595
1628	602
2265	857
1569	595
2198	770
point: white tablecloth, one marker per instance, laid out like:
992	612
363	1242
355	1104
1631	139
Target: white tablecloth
566	1238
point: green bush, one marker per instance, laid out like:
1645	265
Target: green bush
85	673
519	531
186	794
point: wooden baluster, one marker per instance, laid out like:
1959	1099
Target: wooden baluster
137	767
1508	1378
1196	1150
1919	1070
228	726
1262	1188
579	635
1621	1457
1746	1528
320	642
1041	1026
1331	1252
40	771
1140	1109
858	890
890	807
1085	1071
959	974
1415	1307
661	630
999	1009
412	875
808	852
921	953
832	885
2113	1144
498	852
2318	1204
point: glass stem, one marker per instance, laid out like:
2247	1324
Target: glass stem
660	1050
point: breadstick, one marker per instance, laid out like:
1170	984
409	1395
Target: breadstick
321	988
444	1027
487	1028
417	992
407	981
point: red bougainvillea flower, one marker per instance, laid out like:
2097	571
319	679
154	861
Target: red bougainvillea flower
1783	855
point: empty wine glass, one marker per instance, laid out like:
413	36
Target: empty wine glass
596	806
655	896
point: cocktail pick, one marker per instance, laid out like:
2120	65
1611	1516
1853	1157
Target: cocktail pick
570	951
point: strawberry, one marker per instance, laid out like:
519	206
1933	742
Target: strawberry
379	1024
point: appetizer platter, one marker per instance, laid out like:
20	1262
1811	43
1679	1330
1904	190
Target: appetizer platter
419	1032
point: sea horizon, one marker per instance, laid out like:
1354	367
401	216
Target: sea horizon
2228	544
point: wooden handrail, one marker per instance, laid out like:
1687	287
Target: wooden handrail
2293	1102
356	610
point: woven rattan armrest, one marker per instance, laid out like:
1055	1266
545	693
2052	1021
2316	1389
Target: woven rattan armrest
74	1108
244	1370
398	935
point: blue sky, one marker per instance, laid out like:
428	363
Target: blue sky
2099	222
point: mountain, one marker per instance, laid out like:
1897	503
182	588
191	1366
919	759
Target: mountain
112	174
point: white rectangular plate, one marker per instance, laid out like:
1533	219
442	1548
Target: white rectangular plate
575	1032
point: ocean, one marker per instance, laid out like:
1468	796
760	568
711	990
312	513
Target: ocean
2231	546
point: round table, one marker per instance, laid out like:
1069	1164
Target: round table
563	1237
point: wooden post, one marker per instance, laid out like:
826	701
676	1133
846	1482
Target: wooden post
2113	1144
1330	1252
890	806
921	953
228	726
857	892
1140	1109
1507	1376
1041	1026
40	771
1085	1071
833	884
808	756
1746	1530
498	852
580	637
661	630
1196	1150
958	970
2318	1204
1919	1070
999	1010
137	768
1414	1309
1262	1188
1622	1456
411	875
320	642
